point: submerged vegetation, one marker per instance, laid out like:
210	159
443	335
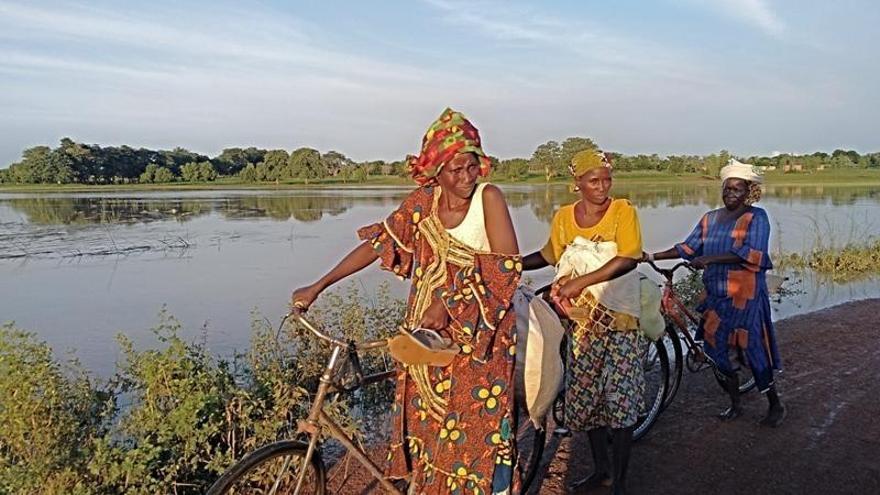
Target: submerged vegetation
854	261
173	418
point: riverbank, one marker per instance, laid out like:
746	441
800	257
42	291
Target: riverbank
853	177
829	443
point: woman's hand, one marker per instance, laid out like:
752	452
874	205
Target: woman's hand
303	297
570	289
700	262
435	317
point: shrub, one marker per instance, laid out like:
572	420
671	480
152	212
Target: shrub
50	418
185	415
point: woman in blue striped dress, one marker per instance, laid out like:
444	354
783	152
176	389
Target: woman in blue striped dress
731	245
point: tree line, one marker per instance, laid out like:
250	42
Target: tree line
73	162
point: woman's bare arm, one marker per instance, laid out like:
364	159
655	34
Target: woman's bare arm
355	261
669	254
499	226
534	261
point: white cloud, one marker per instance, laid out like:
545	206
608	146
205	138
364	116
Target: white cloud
753	12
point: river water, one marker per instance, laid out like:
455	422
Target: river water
78	268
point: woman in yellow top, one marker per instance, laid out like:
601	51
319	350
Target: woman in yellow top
605	385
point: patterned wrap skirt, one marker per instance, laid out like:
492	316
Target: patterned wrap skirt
605	384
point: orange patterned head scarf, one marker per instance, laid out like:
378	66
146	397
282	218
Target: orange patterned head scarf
449	135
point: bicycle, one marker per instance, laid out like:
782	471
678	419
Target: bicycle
296	466
681	325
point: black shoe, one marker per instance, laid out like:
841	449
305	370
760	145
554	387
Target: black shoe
774	416
591	481
730	413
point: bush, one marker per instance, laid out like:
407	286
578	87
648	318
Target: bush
50	418
185	415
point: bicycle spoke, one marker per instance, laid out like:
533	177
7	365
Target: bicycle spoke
280	475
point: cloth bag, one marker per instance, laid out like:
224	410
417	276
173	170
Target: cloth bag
583	256
538	373
651	322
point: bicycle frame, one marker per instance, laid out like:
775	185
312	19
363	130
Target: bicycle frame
672	307
318	419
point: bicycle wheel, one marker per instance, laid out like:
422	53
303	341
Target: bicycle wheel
672	342
530	439
273	470
655	366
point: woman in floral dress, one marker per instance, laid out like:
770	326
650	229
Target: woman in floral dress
452	426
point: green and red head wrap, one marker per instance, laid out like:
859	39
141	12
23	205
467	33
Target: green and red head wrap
449	135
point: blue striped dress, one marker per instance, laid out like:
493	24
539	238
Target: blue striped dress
736	308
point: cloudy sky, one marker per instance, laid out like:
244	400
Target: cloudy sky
366	77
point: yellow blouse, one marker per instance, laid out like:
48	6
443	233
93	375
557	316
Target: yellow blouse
620	224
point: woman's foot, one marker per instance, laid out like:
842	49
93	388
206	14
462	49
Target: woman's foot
591	481
775	414
731	385
731	413
601	475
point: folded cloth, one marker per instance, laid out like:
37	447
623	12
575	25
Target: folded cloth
738	170
583	256
538	372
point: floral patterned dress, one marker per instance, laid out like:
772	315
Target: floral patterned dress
453	427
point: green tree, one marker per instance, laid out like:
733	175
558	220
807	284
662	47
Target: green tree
273	165
191	172
306	163
514	168
249	173
149	174
547	159
231	160
359	174
163	175
335	162
42	165
198	172
207	171
375	167
852	155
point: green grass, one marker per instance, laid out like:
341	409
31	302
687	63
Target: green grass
852	262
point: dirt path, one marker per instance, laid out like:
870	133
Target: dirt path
829	443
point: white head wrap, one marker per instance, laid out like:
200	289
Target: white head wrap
737	170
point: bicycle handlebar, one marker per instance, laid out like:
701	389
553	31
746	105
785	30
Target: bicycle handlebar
311	327
668	272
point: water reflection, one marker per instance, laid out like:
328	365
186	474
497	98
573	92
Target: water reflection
543	200
73	210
